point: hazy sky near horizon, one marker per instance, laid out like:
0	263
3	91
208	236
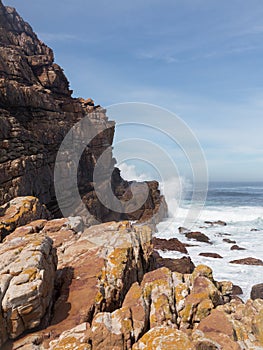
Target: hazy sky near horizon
201	59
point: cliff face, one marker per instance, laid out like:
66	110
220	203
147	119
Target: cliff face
36	112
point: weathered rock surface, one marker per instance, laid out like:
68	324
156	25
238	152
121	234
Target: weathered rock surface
153	311
169	244
27	275
164	338
182	265
248	261
20	211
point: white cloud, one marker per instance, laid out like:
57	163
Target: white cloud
130	173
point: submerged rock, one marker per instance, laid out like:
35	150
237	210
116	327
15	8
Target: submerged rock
198	236
248	261
227	240
211	255
236	247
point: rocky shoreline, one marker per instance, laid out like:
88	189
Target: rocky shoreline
64	286
66	283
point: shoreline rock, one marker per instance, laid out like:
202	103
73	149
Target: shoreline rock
248	261
169	244
198	236
211	255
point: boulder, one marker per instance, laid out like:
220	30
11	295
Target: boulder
227	240
20	211
236	247
211	255
237	290
27	275
164	338
248	261
169	244
257	291
198	236
219	329
181	265
246	321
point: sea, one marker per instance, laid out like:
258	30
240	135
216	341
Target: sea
240	206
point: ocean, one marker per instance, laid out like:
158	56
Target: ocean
240	206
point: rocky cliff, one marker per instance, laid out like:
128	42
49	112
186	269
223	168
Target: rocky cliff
36	112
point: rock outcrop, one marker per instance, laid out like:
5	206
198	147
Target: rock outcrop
36	113
95	269
248	261
18	212
198	236
211	255
257	291
169	244
103	288
27	275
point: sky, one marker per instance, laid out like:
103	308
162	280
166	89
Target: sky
199	59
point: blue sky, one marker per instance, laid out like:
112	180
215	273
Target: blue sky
201	59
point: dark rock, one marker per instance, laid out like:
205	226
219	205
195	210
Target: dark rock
236	247
169	244
198	236
248	261
183	265
229	241
211	255
257	291
236	290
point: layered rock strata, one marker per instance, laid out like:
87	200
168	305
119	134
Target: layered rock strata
36	113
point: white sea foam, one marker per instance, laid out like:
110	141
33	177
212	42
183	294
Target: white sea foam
240	221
